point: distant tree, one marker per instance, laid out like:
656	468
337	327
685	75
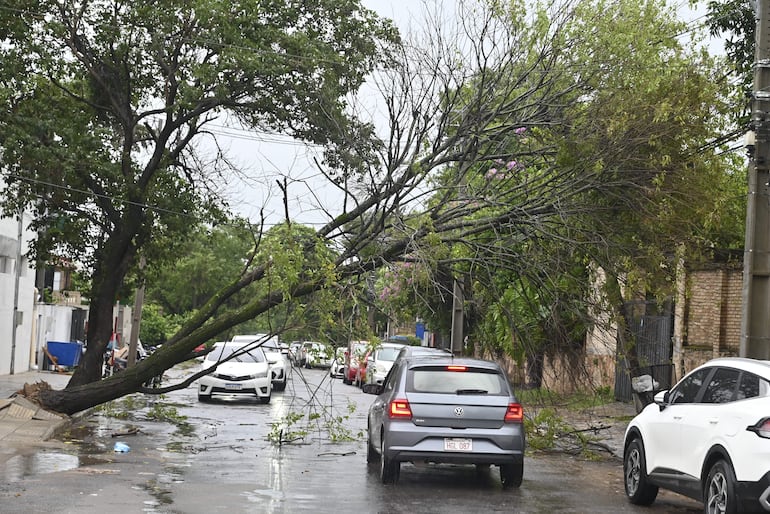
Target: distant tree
202	264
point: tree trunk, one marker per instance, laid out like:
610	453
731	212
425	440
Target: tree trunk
106	282
78	397
626	341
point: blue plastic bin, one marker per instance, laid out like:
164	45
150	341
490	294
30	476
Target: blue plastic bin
67	354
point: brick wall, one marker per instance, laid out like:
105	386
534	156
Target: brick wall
713	312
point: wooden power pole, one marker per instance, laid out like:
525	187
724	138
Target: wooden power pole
755	311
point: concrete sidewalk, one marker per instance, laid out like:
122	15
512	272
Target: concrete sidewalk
22	421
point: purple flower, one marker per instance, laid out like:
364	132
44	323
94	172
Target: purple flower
519	130
511	165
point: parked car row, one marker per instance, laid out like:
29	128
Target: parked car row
367	363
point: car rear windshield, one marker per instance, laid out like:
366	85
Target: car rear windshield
387	354
458	380
221	353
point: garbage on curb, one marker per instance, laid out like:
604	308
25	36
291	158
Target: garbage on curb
121	448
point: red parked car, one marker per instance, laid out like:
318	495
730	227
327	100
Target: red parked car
361	378
354	355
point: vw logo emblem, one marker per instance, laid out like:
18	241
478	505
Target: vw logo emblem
458	411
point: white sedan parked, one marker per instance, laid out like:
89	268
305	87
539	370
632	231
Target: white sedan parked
708	438
247	372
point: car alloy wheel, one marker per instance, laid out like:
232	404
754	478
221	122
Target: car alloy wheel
389	468
638	489
720	489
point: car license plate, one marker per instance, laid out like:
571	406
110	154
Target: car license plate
233	387
453	444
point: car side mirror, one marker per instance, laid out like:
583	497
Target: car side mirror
372	388
661	399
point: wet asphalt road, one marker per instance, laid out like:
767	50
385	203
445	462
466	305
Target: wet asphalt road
219	459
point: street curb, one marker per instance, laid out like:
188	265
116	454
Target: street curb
67	422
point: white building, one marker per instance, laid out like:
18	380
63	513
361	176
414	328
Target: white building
17	295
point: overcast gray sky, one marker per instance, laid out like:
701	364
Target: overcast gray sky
267	158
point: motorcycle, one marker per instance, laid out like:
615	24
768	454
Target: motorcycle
116	361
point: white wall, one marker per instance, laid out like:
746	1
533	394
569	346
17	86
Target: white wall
8	240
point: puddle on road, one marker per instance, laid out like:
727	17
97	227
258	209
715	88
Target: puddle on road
19	467
89	443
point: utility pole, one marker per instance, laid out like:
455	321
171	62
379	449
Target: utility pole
458	318
16	278
755	310
136	320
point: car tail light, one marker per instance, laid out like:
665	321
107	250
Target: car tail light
514	413
400	409
762	428
455	368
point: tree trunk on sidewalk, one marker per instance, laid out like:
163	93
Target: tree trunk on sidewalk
621	316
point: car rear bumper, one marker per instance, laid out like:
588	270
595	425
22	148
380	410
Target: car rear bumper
497	446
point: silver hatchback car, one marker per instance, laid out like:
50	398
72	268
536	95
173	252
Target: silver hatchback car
442	409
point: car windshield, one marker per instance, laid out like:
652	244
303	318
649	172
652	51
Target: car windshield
223	352
387	354
440	379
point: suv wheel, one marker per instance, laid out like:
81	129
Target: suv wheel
719	493
389	468
511	475
638	489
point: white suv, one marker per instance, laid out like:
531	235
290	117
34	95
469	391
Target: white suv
708	438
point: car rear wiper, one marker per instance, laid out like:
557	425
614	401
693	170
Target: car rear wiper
471	391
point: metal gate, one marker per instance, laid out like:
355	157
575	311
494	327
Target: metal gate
653	336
